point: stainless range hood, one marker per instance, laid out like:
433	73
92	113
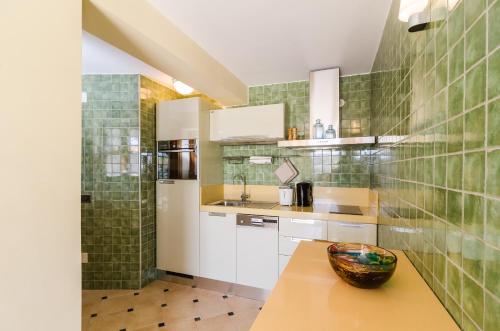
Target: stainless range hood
324	104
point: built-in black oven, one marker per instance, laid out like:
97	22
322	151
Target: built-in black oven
177	159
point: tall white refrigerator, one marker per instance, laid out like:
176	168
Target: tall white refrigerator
182	142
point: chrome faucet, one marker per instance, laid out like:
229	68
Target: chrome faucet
244	195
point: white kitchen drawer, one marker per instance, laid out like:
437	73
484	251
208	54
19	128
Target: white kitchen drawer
300	228
352	232
283	261
287	245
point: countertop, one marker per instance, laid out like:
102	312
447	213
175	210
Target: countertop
310	296
318	212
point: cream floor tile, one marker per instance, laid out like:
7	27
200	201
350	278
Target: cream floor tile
181	325
173	304
239	303
218	323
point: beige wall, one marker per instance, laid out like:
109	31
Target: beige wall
40	129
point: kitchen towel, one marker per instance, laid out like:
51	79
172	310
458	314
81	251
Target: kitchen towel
260	160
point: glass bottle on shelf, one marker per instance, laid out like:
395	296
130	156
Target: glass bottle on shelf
318	130
330	133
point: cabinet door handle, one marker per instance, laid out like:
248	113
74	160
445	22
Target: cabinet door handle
351	225
217	214
297	240
303	221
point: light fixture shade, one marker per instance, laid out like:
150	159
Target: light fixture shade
410	7
182	88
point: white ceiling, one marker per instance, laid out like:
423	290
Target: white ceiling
99	57
269	41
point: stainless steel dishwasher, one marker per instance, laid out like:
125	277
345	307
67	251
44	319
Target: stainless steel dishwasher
257	262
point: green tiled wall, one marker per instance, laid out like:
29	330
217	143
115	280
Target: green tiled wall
435	97
347	167
118	170
110	224
355	114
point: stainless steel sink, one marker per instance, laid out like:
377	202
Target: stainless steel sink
245	204
230	203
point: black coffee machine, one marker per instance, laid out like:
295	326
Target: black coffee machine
304	194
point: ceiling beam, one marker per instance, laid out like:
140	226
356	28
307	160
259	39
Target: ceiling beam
139	29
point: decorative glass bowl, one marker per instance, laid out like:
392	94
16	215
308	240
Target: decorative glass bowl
361	265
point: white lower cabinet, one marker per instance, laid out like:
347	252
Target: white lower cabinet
352	232
257	256
218	246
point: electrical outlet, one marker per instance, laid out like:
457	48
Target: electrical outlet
85	257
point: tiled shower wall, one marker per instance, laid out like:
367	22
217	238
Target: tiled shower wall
110	174
346	167
435	106
118	171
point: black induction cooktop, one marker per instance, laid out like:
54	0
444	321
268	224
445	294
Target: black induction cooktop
345	209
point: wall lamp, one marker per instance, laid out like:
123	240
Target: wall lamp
418	14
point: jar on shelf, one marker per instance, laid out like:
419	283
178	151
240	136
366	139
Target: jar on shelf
319	130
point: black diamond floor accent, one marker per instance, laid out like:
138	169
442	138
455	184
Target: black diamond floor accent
130	310
93	315
104	297
196	319
165	290
230	313
196	300
161	324
163	304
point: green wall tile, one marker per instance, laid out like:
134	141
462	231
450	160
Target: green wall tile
454	208
494	123
473	257
456	98
474	133
493	170
494	75
473	9
475	85
492	231
494	26
454	282
440	171
492	270
474	172
473	298
491	313
455	135
474	214
475	42
454	171
456	24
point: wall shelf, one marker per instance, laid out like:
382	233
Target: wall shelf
322	143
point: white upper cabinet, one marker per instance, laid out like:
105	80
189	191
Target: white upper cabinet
248	124
178	119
